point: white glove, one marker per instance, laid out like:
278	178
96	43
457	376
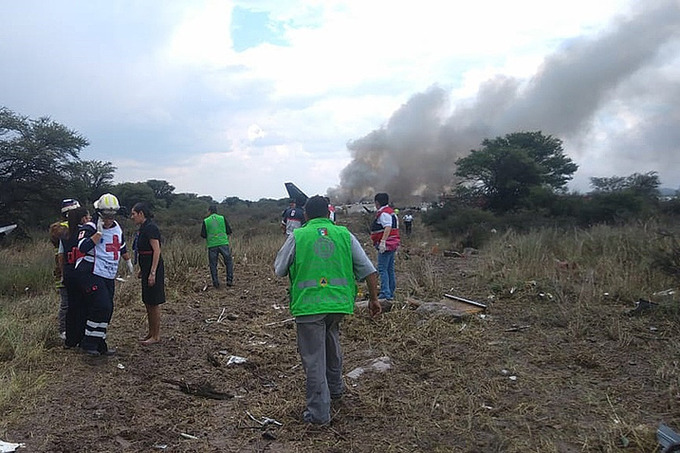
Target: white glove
382	247
100	225
130	266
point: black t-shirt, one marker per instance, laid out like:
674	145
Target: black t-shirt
147	231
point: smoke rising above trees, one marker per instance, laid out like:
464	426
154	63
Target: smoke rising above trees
614	93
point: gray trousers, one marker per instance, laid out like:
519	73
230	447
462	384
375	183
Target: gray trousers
223	250
318	338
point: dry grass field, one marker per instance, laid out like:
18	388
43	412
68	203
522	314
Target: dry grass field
554	364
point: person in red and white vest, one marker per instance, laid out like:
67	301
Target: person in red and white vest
385	237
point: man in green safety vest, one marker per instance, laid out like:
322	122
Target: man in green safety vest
323	262
216	231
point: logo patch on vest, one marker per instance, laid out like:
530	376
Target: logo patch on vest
322	231
323	282
324	247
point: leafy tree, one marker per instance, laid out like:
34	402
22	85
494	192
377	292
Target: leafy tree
90	178
129	193
162	190
645	185
34	159
505	169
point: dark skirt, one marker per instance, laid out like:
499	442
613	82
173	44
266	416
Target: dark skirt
152	295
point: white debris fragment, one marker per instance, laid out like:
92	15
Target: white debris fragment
236	359
121	366
7	447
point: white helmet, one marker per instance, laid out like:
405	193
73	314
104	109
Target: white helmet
107	204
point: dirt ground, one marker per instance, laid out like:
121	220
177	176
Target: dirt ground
533	373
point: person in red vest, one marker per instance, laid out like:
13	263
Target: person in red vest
385	237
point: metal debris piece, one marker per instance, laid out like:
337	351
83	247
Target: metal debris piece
668	439
517	328
236	359
188	436
642	306
279	322
467	301
264	421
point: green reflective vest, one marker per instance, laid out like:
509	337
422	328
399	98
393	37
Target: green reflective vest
215	230
322	274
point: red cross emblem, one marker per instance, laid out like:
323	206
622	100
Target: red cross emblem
114	247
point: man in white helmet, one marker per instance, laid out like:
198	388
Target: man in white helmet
102	245
59	231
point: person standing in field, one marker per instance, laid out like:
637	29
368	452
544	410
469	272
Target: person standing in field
76	312
216	231
151	270
292	218
59	231
323	262
408	223
100	248
385	237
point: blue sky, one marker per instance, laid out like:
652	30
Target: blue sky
234	98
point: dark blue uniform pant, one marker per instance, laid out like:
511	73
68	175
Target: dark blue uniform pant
99	302
76	314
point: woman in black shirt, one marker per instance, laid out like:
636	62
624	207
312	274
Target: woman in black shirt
151	269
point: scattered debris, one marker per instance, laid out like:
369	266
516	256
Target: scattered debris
160	446
279	322
381	364
188	436
205	390
219	319
516	328
642	306
121	366
668	439
264	421
236	359
7	447
466	301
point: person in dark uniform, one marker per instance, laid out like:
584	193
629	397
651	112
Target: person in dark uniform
76	313
151	269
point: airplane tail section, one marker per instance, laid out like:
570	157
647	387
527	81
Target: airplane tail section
296	193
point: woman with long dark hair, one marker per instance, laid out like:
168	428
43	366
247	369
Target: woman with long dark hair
151	269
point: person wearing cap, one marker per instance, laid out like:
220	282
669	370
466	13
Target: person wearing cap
323	262
292	217
216	231
59	231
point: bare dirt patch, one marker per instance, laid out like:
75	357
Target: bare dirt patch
534	374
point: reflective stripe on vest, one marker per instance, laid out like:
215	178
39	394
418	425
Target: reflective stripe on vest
322	274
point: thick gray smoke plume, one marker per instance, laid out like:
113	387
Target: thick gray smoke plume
622	83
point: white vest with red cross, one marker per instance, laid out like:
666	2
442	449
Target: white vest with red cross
107	252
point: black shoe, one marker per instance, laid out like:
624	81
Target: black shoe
230	283
109	352
92	352
216	285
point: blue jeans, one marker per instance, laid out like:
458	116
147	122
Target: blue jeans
388	282
225	252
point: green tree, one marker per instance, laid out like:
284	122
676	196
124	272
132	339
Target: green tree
129	193
162	190
506	169
645	185
90	178
34	160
